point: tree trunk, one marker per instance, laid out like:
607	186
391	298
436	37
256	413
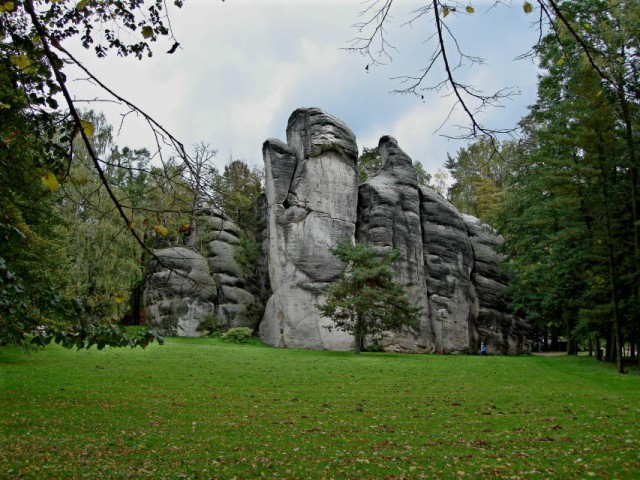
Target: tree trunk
359	336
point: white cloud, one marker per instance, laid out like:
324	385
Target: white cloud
245	66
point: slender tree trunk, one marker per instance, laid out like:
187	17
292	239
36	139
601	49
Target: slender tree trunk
613	267
359	336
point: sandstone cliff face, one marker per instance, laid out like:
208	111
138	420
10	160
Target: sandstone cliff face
389	217
189	284
179	293
311	197
448	262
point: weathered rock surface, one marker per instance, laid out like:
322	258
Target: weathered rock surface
191	283
180	292
492	321
311	197
389	217
448	262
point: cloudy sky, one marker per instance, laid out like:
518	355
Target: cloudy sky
245	65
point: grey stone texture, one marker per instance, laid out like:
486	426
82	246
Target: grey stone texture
187	284
448	263
388	218
311	197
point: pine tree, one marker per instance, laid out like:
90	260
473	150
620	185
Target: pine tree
365	301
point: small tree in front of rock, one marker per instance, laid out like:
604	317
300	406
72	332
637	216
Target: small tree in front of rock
365	301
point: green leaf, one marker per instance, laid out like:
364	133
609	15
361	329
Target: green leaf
7	7
147	32
50	180
527	7
87	127
470	9
81	4
22	61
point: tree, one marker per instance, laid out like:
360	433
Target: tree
569	215
479	172
39	141
236	191
365	301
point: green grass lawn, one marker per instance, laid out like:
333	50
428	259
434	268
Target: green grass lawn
198	408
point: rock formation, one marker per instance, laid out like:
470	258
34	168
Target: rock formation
389	217
188	284
448	263
311	197
180	292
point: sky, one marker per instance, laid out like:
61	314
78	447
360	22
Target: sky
244	66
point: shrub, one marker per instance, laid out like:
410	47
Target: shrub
237	335
210	326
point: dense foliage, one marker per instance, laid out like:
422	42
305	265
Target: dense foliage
65	262
566	196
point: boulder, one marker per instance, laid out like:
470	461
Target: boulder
180	292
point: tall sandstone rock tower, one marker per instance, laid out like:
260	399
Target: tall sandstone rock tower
311	185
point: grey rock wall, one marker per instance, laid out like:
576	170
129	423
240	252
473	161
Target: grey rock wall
188	284
449	260
180	292
448	263
311	197
389	217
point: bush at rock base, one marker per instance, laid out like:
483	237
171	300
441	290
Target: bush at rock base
237	335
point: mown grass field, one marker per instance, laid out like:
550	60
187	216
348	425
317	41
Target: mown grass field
198	408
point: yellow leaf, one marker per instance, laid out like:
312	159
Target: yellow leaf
527	7
161	230
7	7
4	105
587	26
50	180
445	11
22	61
81	4
118	297
147	32
87	127
470	9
